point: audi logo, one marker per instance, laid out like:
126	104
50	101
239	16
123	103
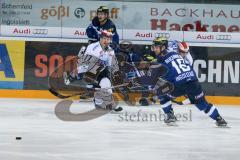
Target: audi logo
165	35
40	31
223	37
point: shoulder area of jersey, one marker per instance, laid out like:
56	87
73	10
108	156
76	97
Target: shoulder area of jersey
97	46
110	50
95	21
94	45
109	22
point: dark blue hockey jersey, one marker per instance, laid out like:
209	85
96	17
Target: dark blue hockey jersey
94	28
133	57
178	71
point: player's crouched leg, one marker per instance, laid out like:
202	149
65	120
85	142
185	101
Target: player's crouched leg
197	97
104	98
211	111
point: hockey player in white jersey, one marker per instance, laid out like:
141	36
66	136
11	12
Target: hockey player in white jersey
98	65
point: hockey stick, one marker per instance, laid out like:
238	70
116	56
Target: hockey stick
54	92
112	87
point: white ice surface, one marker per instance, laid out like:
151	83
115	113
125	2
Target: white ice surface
45	137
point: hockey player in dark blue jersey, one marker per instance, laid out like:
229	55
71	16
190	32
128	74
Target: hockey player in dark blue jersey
173	46
148	57
185	82
102	22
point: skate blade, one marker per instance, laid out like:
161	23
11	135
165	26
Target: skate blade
172	124
227	126
114	112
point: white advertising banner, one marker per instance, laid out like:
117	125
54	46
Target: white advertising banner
77	33
149	35
212	37
182	17
69	32
31	31
126	34
138	21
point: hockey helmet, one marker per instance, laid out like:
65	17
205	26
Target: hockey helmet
103	9
160	41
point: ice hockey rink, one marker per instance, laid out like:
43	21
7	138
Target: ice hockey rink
45	137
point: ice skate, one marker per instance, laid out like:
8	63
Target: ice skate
113	109
170	119
117	109
220	122
144	101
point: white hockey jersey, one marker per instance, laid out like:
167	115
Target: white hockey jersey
96	50
188	58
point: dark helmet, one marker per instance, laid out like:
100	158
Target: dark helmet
103	9
160	41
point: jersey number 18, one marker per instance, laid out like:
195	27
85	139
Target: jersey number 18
180	66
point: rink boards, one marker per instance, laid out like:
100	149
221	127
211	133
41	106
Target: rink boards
45	94
26	65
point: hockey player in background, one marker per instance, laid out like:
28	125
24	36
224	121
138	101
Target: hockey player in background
182	48
96	67
148	57
184	79
102	22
